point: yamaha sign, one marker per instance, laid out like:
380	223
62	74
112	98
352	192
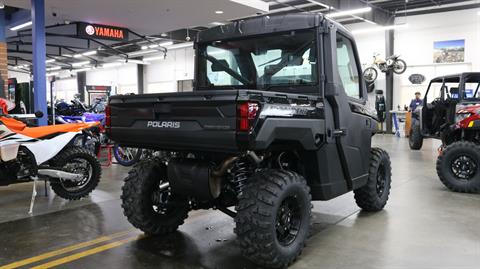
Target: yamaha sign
98	31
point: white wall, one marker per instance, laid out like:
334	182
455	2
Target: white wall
63	89
162	75
21	77
415	44
122	78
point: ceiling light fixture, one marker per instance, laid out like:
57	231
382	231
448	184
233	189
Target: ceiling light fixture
167	43
77	55
80	63
141	52
153	46
89	53
154	58
181	45
218	11
51	74
144	47
49	61
349	12
378	29
132	61
21	26
217	23
81	70
54	68
108	65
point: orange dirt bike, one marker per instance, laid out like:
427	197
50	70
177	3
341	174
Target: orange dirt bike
393	63
47	152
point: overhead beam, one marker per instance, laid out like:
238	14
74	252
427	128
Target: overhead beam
377	15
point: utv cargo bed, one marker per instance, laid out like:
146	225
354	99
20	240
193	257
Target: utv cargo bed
199	120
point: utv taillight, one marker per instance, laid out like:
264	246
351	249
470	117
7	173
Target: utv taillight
108	117
247	112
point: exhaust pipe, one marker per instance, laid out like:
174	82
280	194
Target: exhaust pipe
60	174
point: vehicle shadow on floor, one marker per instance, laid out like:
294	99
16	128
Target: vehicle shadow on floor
181	250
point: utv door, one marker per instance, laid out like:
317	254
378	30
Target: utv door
346	94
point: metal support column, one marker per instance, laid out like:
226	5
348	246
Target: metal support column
3	57
39	57
81	83
389	50
140	81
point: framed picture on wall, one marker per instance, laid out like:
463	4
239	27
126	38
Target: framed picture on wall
449	51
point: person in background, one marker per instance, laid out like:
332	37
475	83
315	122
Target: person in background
415	102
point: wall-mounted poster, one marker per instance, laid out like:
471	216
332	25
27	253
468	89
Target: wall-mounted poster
449	51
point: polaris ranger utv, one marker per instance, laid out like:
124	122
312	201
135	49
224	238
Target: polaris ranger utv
277	119
451	112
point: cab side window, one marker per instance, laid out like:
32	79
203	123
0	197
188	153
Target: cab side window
347	67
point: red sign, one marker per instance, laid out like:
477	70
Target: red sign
99	31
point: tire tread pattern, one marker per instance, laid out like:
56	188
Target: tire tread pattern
415	141
255	211
136	200
62	158
466	188
366	197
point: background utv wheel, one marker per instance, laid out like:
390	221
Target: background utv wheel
415	140
274	218
77	160
374	195
148	208
458	167
127	156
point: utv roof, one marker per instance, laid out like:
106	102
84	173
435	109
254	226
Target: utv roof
264	25
470	76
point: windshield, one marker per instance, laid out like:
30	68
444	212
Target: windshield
286	59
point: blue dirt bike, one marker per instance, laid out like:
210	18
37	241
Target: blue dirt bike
123	155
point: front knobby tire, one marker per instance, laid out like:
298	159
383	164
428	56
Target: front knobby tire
76	160
400	67
458	167
274	218
147	208
415	140
373	196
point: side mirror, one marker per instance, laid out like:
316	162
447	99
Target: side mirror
39	114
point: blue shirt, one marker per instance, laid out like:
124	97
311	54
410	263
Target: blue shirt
414	103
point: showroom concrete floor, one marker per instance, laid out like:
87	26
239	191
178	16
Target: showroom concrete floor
423	226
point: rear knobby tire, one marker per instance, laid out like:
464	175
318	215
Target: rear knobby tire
138	203
415	140
447	168
273	203
373	196
64	158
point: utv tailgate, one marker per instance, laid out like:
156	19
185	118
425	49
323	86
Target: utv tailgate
192	120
